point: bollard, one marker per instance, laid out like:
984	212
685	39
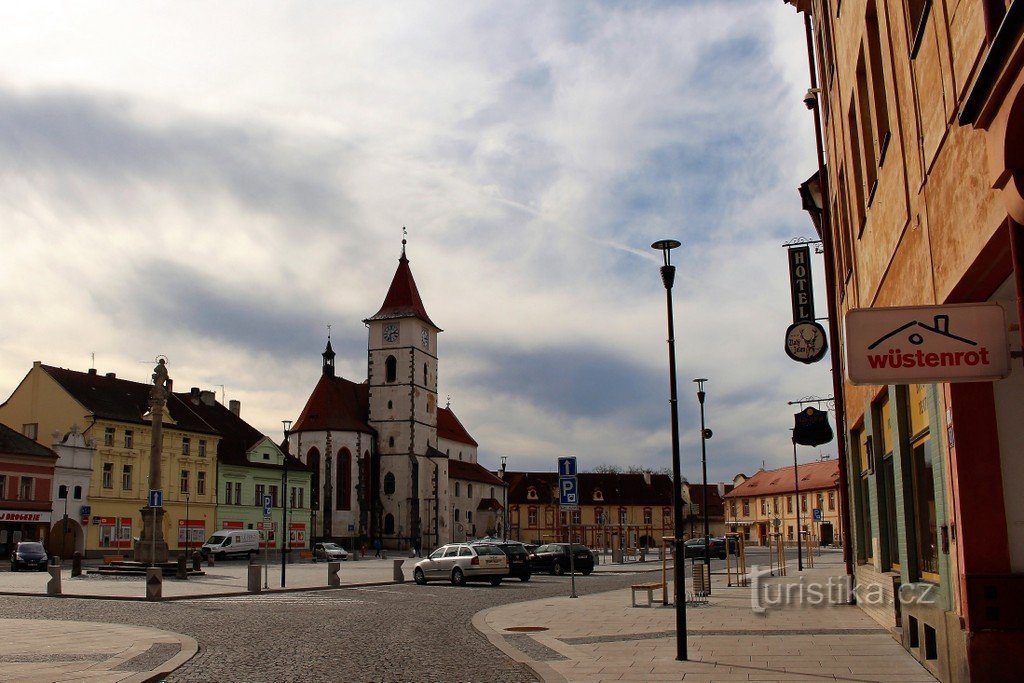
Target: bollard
76	565
616	555
182	570
53	585
154	583
197	561
209	560
399	574
333	570
354	555
383	554
254	578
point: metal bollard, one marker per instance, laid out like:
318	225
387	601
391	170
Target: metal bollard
399	574
333	570
53	585
76	565
154	583
254	578
197	561
182	570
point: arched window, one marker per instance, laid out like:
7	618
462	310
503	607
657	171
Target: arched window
598	495
469	490
62	492
313	460
391	369
389	523
456	514
78	493
531	493
390	406
391	441
424	374
389	483
457	488
343	481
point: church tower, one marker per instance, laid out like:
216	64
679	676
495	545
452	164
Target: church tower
402	378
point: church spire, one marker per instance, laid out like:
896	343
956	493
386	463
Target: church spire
328	355
403	298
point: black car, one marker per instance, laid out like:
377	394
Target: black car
695	548
554	558
30	555
518	558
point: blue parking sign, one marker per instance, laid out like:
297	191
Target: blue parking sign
817	514
568	492
268	502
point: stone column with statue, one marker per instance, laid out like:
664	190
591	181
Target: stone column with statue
151	547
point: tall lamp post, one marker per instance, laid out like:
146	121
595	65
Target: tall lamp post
63	492
668	276
796	498
188	529
705	434
504	506
284	505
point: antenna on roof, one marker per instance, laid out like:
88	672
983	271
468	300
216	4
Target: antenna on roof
93	366
221	392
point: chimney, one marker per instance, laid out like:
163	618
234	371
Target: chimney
647	478
235	407
207	397
942	324
193	395
111	375
92	371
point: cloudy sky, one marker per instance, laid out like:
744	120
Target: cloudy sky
218	182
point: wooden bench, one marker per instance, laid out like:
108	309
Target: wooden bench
648	588
111	559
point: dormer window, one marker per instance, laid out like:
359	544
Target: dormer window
531	493
598	495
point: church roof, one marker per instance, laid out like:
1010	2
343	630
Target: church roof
472	471
813	475
336	404
403	299
449	427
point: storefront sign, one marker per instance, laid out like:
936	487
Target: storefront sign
296	535
800	283
191	531
24	516
927	344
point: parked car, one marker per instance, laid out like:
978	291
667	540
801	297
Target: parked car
462	562
518	558
329	551
554	558
695	548
28	555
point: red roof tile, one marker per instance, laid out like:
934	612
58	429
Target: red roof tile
449	427
403	298
336	404
813	476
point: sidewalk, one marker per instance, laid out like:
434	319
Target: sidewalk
37	650
602	638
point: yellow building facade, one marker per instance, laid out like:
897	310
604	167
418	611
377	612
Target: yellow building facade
112	415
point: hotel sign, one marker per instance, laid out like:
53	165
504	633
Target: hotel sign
927	344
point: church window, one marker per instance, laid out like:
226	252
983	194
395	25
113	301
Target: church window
460	455
456	514
389	483
389	523
313	460
424	374
469	516
391	369
391	441
457	489
78	493
469	490
390	405
343	479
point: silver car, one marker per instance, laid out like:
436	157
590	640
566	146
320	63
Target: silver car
461	562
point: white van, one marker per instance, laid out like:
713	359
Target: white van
232	542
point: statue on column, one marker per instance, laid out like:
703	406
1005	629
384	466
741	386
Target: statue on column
152	547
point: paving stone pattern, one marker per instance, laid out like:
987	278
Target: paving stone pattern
398	632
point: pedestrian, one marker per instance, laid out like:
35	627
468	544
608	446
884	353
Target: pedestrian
416	547
376	547
362	549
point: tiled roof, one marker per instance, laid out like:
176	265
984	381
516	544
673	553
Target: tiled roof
336	404
489	504
403	299
237	436
716	506
111	398
449	427
471	471
813	475
616	489
15	443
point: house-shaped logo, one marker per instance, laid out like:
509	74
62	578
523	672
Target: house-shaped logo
954	343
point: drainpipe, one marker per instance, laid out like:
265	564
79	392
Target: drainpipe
833	316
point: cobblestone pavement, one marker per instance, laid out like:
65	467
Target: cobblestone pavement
400	632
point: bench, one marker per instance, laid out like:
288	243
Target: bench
631	554
305	554
111	559
648	588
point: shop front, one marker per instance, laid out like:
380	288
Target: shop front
22	525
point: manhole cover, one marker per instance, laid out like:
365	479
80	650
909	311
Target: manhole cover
526	629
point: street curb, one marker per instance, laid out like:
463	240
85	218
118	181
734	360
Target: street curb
543	671
171	665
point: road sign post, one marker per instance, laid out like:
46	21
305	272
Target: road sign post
156	500
568	499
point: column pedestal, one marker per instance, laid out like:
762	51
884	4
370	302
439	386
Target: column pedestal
151	546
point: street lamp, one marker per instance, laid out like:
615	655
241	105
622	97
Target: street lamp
188	529
284	505
504	506
796	500
63	493
705	434
668	276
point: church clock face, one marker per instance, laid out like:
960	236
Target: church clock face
425	339
391	333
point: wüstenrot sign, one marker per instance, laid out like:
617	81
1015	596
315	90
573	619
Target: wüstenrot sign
926	344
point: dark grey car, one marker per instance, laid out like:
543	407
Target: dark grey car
28	555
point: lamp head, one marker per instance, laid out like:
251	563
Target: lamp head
665	246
